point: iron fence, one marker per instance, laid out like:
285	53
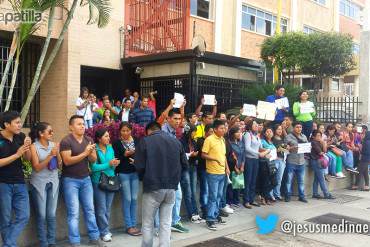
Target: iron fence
338	109
228	92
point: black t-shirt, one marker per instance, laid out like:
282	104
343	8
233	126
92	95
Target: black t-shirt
119	152
12	173
80	169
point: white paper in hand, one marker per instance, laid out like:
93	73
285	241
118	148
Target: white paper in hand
249	110
282	103
266	110
209	99
179	100
304	148
307	107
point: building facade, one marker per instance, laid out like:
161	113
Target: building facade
105	60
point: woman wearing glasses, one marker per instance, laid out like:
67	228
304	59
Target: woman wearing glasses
44	181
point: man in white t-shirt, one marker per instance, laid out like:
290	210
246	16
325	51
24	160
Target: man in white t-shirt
84	107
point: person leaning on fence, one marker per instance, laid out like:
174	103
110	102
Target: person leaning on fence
159	160
14	200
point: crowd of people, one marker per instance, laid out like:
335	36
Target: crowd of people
234	161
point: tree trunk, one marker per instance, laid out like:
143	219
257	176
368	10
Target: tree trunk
37	79
32	91
14	79
13	49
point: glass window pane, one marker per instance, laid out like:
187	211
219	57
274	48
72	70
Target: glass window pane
260	26
274	19
251	11
268	17
261	14
193	7
273	28
342	8
252	26
244	8
268	27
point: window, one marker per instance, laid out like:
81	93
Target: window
200	8
356	49
334	85
349	89
323	2
27	66
311	84
309	30
349	9
261	22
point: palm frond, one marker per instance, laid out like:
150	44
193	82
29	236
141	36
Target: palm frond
99	12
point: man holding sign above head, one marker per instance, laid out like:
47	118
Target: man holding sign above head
282	103
304	112
298	146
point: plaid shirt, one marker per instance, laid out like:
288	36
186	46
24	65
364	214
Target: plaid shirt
142	116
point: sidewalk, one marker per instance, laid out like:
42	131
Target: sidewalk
241	226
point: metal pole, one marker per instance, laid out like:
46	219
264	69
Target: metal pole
278	31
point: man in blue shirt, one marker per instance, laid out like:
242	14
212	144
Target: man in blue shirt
143	114
280	113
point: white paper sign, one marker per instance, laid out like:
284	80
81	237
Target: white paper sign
307	107
209	99
282	103
359	129
249	110
304	148
266	110
179	100
273	154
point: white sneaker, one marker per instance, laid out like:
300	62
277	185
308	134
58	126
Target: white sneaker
196	219
340	175
227	209
107	238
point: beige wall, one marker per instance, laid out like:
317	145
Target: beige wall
204	28
250	45
165	70
316	15
42	31
84	45
227	72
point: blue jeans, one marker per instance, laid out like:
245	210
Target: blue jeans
13	199
298	170
103	203
318	179
193	186
280	166
250	179
130	189
45	213
307	128
203	191
348	159
88	123
78	191
224	192
176	208
190	204
332	168
215	188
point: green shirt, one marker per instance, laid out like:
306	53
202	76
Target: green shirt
102	164
302	117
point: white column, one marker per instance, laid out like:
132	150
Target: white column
364	93
218	25
238	28
294	16
336	15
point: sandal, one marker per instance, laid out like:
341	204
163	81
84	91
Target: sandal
133	231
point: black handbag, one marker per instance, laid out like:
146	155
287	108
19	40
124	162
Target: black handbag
110	184
107	183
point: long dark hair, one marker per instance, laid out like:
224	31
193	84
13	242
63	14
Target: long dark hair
83	89
99	134
36	129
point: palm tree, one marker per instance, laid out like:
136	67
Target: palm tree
99	12
21	34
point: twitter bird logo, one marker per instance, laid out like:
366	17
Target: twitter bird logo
268	225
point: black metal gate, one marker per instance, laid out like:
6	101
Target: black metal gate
227	91
338	109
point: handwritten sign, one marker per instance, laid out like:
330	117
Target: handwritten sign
266	110
282	103
209	99
273	154
179	100
304	148
249	110
307	107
